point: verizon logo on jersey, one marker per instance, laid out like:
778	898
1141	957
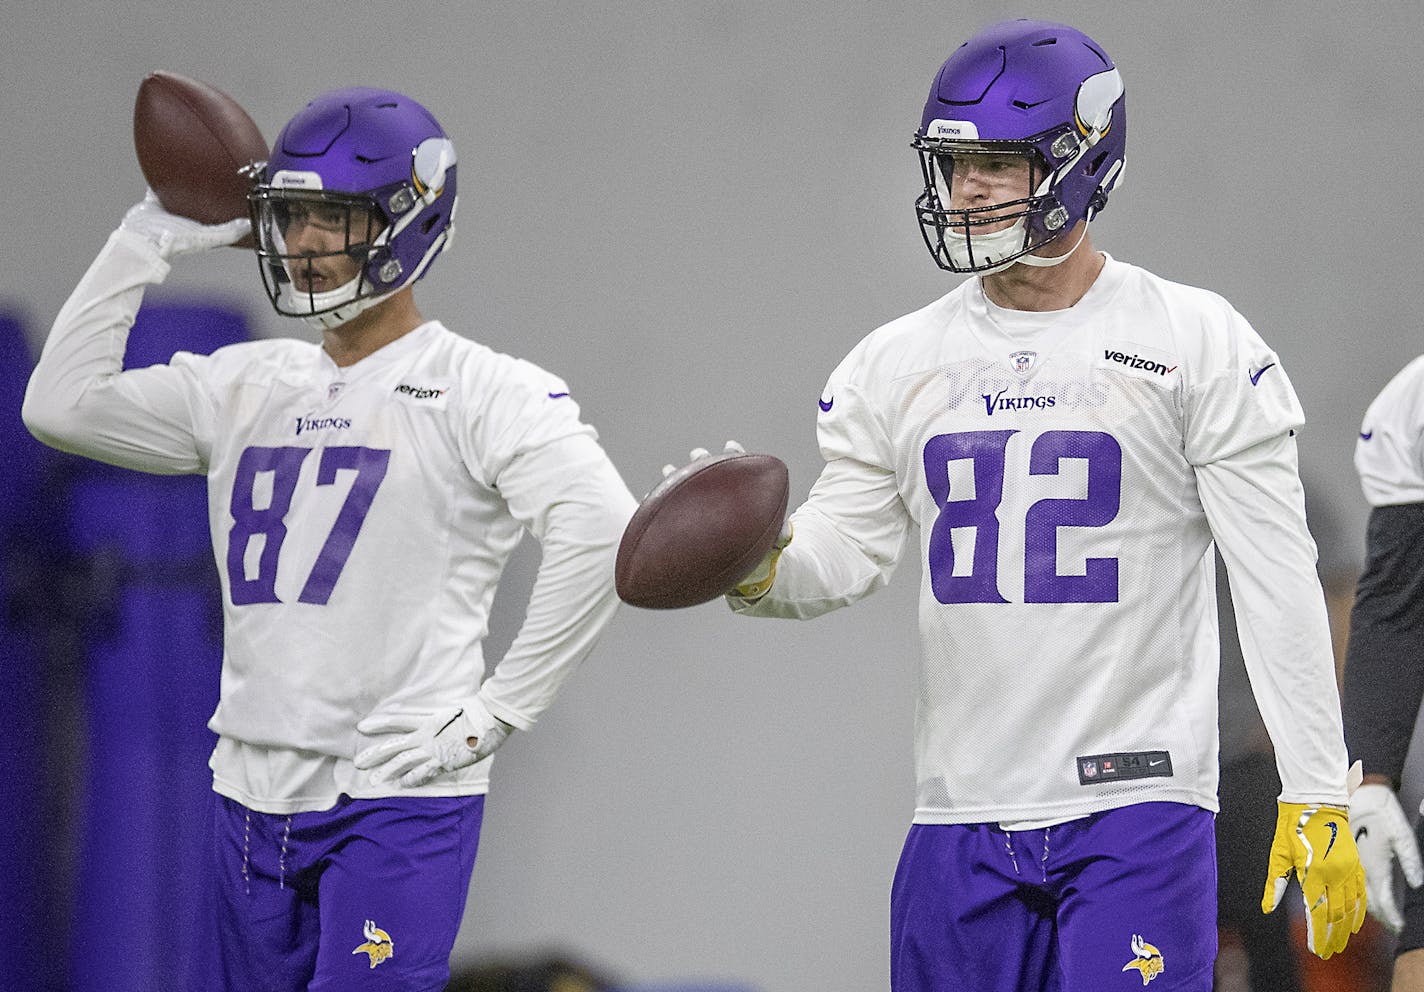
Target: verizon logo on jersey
1138	362
422	392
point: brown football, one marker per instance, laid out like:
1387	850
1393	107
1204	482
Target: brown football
701	530
196	147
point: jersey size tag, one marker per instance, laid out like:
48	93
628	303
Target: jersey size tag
1095	769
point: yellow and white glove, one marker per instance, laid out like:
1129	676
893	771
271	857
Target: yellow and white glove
420	746
1384	836
1315	843
172	235
755	583
758	582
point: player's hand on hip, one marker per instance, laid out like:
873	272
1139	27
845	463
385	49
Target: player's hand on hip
172	235
1315	843
755	583
420	746
1383	836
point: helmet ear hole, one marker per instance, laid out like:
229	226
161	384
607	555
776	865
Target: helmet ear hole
431	223
1095	165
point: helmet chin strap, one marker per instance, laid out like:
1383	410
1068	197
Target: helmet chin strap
1047	262
335	318
967	249
1005	242
329	318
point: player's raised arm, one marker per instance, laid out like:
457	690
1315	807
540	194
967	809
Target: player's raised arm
78	399
195	146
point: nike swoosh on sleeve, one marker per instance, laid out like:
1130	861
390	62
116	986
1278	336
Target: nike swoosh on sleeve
1256	376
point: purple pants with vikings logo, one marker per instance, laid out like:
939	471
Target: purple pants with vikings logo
367	895
1117	900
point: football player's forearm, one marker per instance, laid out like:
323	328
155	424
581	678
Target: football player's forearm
79	400
1257	515
573	597
1384	667
821	570
86	343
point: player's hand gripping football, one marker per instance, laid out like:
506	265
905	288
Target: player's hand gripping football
755	583
424	745
1383	835
1315	843
172	235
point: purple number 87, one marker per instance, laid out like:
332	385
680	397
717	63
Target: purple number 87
284	465
1042	583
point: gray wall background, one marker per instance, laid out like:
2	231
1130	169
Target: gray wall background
691	212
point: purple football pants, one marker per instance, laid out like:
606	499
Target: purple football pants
1113	901
365	896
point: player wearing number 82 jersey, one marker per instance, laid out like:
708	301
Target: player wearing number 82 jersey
1066	514
1068	436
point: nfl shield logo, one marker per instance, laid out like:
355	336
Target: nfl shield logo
1090	769
334	390
1022	361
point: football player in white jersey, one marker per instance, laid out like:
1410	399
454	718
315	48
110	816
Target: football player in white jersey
1069	436
364	496
1384	663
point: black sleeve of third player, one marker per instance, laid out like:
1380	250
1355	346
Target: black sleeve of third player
1384	665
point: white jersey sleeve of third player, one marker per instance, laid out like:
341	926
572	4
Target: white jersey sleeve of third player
1389	455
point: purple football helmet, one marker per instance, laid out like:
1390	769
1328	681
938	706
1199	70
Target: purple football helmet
1036	89
375	168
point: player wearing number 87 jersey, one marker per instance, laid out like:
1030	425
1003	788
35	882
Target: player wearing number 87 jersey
364	496
1068	436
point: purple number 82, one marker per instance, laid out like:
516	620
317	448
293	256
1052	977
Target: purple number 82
1042	583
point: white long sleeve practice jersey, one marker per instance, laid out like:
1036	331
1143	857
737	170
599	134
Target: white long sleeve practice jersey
1067	473
1389	456
361	518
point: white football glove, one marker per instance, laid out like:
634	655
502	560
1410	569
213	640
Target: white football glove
1383	835
429	744
172	235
